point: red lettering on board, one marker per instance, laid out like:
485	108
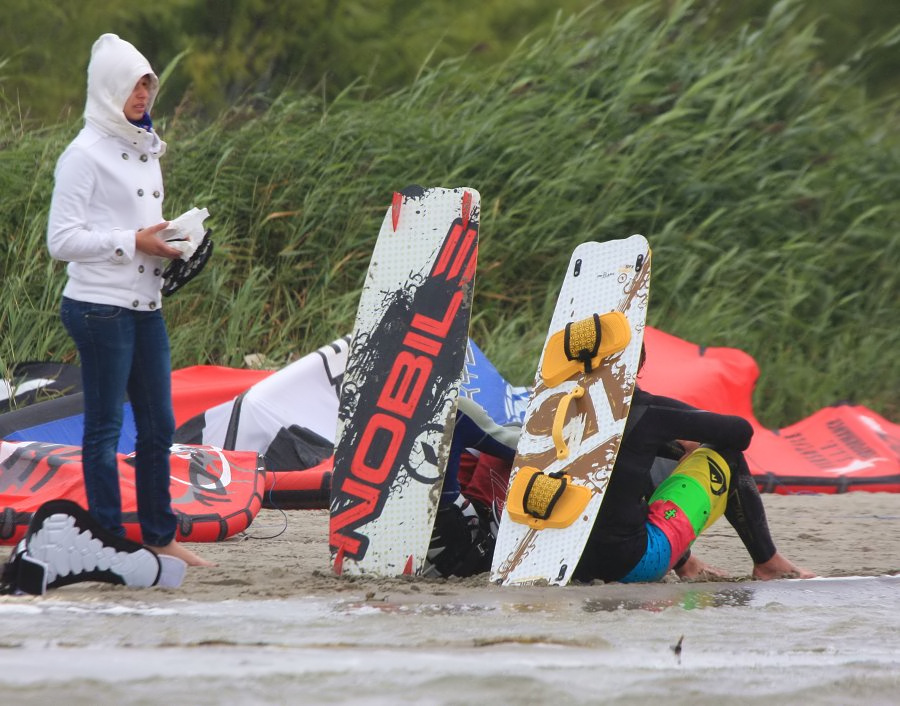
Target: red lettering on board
368	497
405	383
462	255
360	466
421	343
439	327
447	250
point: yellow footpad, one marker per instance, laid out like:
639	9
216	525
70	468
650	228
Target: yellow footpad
582	345
545	500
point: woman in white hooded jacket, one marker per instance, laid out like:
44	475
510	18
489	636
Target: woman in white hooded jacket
105	216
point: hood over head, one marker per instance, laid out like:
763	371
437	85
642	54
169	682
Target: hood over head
114	69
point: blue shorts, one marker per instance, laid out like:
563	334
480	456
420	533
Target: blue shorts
656	560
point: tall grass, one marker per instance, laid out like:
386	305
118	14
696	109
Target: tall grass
766	186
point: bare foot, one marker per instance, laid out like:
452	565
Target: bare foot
778	567
695	570
180	551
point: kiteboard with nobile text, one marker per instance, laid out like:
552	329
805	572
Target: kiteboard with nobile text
399	393
576	415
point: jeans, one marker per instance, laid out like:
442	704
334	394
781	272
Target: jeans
124	351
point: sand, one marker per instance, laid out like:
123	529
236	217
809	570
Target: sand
284	555
272	624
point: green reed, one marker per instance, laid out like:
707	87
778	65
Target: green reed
766	186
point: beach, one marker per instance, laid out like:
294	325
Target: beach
285	554
272	624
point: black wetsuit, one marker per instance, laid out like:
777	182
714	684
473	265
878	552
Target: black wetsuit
619	538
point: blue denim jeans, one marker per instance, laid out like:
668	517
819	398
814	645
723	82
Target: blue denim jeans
124	351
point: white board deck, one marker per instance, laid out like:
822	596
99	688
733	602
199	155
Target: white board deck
601	277
400	387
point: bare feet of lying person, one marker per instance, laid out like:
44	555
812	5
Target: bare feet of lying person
180	551
778	567
695	570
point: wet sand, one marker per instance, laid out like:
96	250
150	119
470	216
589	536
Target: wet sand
285	555
271	622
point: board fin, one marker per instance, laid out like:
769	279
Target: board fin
396	202
466	208
338	566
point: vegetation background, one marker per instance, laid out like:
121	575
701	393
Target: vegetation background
755	144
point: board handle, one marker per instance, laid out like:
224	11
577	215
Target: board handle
559	419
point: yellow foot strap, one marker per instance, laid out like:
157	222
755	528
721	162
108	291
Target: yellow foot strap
582	345
541	494
581	340
545	500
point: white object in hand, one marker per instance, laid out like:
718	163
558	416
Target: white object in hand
185	233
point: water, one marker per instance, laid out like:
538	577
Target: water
824	641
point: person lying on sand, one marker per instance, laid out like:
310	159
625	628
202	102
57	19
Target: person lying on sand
633	539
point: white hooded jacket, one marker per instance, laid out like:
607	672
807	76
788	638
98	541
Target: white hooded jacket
109	185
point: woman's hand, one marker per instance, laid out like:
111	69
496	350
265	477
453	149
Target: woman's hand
147	241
